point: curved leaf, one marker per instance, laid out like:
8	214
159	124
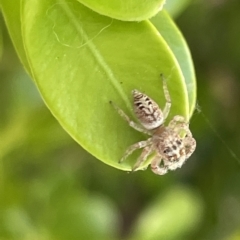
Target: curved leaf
177	43
134	10
81	60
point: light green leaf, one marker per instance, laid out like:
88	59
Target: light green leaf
177	43
134	10
81	60
170	217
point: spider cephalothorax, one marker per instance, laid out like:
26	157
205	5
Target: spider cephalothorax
172	144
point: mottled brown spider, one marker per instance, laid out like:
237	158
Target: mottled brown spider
172	144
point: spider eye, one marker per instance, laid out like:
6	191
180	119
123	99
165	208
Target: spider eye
167	150
174	147
179	142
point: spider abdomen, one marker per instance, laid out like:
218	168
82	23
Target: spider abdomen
147	111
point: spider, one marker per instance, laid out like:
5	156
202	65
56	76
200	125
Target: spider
172	144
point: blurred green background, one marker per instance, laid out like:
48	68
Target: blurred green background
50	188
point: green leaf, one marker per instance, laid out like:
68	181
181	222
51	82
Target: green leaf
177	43
134	10
11	14
170	217
174	7
81	60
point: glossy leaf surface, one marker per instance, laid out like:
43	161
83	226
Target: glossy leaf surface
81	60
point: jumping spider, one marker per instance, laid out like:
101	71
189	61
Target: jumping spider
173	144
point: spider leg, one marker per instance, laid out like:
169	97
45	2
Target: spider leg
130	122
190	145
134	147
178	164
156	168
145	153
167	97
178	123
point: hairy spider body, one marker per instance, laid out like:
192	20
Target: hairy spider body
172	144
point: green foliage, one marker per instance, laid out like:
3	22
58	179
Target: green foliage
52	189
81	60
